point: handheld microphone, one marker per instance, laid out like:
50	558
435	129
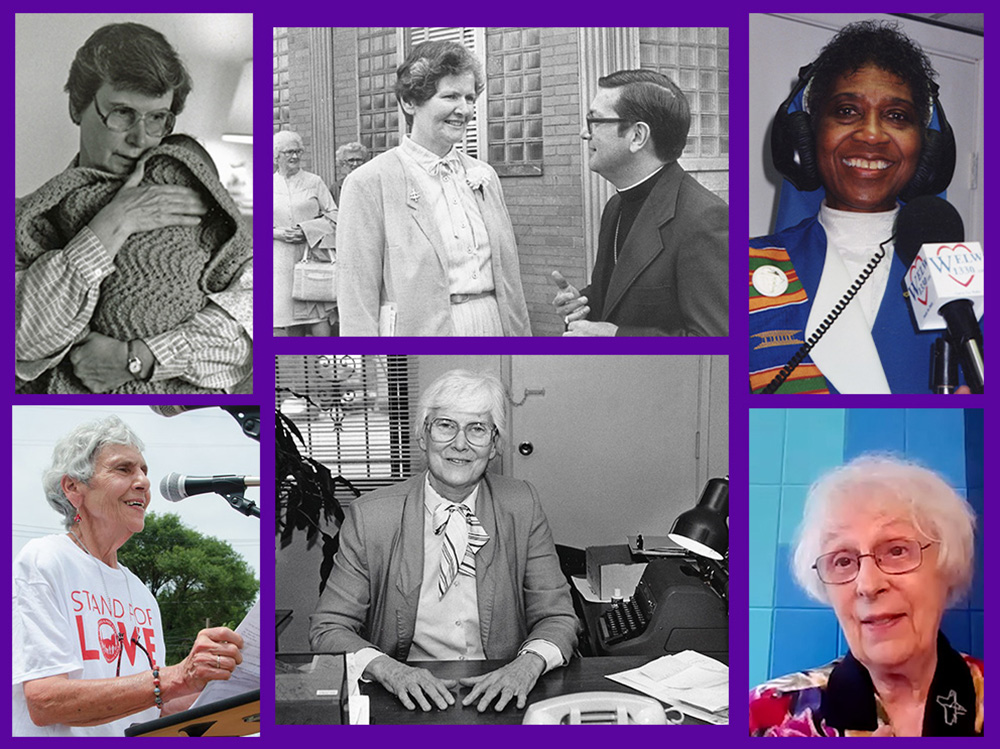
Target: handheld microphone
945	277
174	410
175	486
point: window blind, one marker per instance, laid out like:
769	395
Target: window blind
354	412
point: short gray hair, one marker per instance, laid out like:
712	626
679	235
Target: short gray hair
355	147
467	391
284	138
935	509
75	455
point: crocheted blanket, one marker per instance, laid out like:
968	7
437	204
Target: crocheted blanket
163	276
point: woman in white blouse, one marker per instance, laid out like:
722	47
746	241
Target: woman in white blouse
304	215
425	242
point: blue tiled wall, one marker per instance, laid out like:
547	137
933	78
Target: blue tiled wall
789	449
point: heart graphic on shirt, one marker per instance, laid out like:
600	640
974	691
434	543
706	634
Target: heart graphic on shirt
107	635
954	249
913	269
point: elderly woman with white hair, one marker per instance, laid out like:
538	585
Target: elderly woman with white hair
452	564
88	647
305	223
889	545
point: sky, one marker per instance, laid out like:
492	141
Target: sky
205	442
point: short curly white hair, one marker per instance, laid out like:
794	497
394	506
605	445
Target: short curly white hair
75	455
933	506
284	138
463	390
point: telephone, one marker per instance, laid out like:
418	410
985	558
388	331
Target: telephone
594	708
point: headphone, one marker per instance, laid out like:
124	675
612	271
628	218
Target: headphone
793	147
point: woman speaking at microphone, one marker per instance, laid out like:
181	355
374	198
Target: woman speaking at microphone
870	131
88	647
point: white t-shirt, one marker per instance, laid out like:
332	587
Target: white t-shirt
68	608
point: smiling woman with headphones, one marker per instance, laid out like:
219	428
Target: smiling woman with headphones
864	123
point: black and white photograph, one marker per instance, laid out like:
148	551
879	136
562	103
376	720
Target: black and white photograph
501	181
134	212
502	539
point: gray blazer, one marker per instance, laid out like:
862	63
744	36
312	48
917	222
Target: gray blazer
389	250
372	594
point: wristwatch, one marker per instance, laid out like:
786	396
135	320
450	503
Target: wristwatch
134	362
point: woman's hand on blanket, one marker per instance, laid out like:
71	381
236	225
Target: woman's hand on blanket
137	208
100	362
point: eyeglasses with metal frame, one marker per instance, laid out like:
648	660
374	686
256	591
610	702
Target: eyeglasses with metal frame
120	119
894	557
477	433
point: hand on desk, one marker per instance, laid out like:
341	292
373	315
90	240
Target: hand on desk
516	679
412	686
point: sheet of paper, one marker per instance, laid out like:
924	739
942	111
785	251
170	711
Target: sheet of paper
246	676
695	684
583	587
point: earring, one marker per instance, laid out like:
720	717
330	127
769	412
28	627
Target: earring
77	518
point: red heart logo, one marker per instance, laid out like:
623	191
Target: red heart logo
956	248
913	268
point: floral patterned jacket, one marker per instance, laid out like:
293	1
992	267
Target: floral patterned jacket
839	699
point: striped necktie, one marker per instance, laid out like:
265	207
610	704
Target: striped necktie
463	537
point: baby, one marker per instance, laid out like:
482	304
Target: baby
163	276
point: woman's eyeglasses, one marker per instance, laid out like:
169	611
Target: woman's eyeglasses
293	152
120	119
896	557
477	433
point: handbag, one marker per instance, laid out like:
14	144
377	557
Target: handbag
314	280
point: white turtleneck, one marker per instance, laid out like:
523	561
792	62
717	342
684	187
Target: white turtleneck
856	237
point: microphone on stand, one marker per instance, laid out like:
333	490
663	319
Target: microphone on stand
945	278
175	486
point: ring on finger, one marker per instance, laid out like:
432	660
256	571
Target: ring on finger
218	661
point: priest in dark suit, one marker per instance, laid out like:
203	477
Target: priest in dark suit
662	258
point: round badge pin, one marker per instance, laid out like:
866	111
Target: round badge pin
770	280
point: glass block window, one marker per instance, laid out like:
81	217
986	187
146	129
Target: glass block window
697	59
514	100
281	93
379	115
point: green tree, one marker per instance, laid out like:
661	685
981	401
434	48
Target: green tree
193	577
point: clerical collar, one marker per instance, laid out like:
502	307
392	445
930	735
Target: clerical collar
642	188
849	700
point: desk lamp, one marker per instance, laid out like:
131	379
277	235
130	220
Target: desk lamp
703	529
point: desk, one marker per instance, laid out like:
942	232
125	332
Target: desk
581	675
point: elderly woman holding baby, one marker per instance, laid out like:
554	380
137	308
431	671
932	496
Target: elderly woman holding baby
126	87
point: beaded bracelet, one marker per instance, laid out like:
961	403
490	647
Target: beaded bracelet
156	687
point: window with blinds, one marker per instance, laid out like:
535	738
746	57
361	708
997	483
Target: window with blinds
354	413
281	92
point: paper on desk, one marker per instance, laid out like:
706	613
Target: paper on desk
694	683
583	586
246	676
